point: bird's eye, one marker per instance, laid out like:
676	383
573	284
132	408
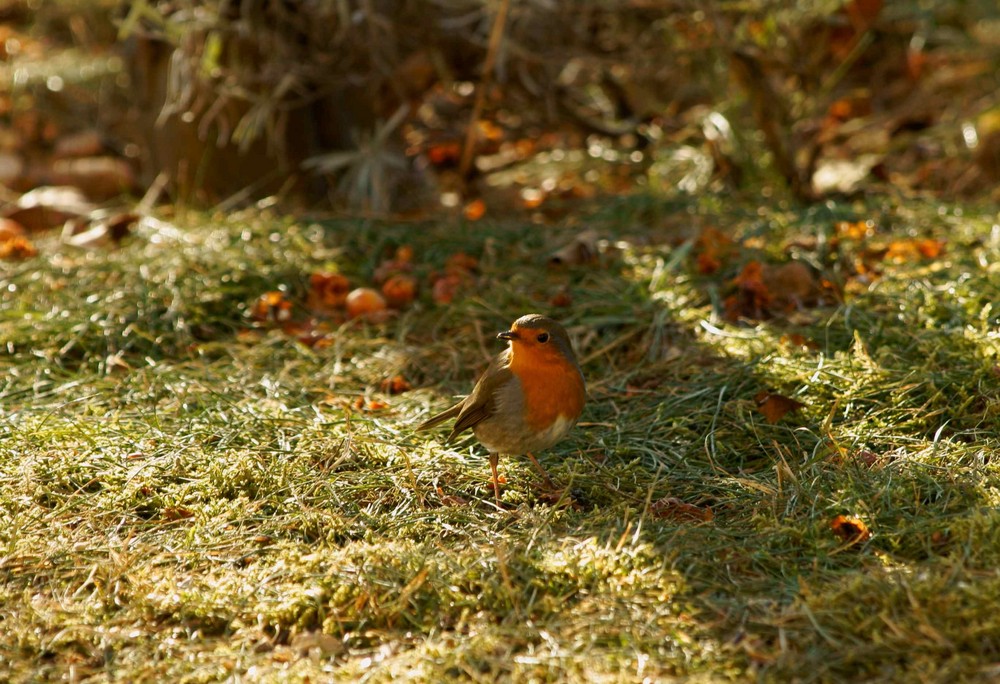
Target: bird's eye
543	337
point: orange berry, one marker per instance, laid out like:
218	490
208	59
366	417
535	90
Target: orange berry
400	290
364	301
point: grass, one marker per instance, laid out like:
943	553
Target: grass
182	500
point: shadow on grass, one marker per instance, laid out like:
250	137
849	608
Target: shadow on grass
257	502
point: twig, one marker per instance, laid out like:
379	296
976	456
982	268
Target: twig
491	55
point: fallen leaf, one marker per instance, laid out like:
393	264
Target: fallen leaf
867	457
364	404
843	176
854	230
79	232
10	229
120	225
173	513
532	198
775	406
272	307
582	249
17	247
752	297
308	335
397	384
940	539
99	178
320	643
712	247
449	152
402	262
474	210
789	285
88	143
490	131
48	206
445	288
327	292
561	299
248	336
115	363
416	73
913	250
850	529
797	340
462	263
12	170
671	508
400	290
451	499
863	13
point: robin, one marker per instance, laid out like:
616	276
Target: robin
527	400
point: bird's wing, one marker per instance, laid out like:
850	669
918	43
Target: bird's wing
482	403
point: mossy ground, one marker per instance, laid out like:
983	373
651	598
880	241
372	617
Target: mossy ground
183	501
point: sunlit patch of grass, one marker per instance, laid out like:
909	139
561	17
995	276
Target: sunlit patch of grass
206	503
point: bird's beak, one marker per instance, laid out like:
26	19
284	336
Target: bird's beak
507	335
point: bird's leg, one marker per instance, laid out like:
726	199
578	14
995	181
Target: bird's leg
494	459
541	471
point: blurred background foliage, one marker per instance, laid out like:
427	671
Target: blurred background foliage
400	105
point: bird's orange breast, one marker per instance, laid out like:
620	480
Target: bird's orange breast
552	385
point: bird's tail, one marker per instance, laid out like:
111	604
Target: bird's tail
441	417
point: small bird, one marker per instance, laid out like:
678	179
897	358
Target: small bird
530	396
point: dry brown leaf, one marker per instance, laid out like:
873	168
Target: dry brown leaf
940	539
532	198
460	262
863	13
850	529
324	645
797	340
17	247
788	285
561	299
13	242
88	143
397	384
10	229
448	152
272	307
401	262
582	249
752	297
400	290
914	249
173	513
775	406
99	178
451	499
12	170
854	230
712	248
671	508
309	334
866	457
327	292
48	207
364	404
474	210
445	288
80	232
